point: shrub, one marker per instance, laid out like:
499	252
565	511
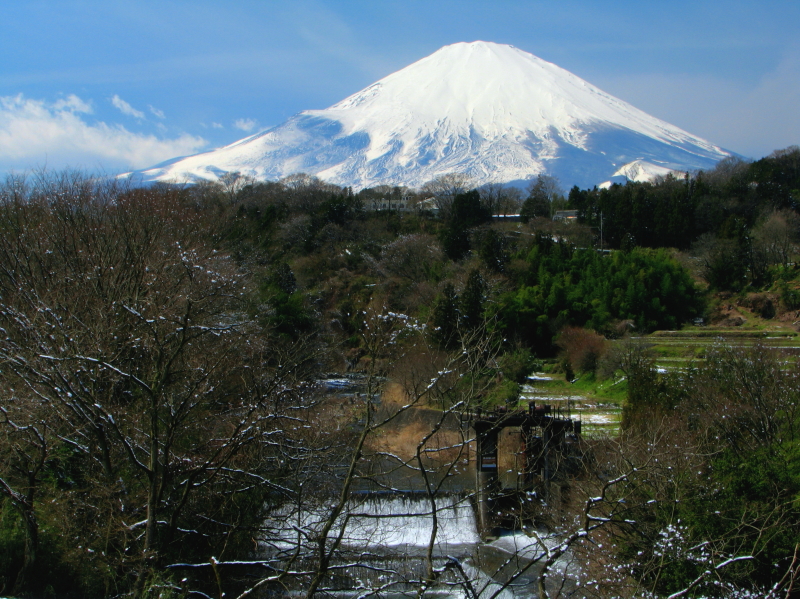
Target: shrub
790	296
581	348
505	393
518	364
761	304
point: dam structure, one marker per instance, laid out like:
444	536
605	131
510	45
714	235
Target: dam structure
549	449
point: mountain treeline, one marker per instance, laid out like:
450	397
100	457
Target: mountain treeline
536	278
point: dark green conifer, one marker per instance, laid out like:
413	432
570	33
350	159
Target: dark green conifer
444	319
471	301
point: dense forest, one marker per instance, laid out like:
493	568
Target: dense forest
163	349
739	218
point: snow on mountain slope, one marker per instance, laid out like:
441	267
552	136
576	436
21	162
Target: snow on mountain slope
639	170
488	110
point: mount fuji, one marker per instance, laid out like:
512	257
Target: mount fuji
491	111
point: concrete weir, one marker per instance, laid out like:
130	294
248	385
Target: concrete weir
547	437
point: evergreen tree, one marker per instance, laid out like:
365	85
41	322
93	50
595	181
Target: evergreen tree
444	319
470	303
465	213
468	211
534	207
283	278
492	248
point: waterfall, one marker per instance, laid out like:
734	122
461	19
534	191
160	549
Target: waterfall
407	522
384	539
381	524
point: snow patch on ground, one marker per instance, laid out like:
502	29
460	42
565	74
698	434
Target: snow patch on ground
540	377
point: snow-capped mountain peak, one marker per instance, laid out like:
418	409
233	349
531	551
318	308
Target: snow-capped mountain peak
489	110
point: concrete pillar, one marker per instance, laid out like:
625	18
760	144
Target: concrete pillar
487	487
486	479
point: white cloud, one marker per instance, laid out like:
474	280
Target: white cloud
245	125
73	103
158	113
34	133
217	125
126	108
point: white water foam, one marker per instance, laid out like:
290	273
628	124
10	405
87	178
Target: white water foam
395	521
381	523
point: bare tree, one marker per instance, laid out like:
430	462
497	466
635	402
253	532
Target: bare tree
501	199
233	182
304	193
444	188
25	443
322	529
543	192
412	257
710	511
129	329
775	238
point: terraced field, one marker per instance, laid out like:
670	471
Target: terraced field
598	404
677	349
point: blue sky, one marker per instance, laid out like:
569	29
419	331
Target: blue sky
117	85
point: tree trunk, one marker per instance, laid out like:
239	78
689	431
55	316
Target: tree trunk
31	547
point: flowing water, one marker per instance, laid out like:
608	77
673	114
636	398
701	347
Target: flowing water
385	540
